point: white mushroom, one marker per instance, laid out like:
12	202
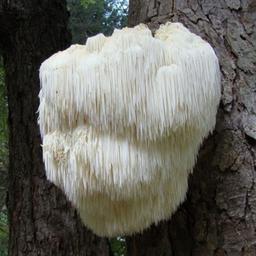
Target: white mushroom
122	119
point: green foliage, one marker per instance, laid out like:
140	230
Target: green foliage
84	22
90	17
86	3
118	246
115	15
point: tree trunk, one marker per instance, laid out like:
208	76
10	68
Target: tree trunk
42	222
219	215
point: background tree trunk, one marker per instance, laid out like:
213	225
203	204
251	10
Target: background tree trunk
219	215
42	222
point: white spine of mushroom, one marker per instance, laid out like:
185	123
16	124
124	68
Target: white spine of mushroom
122	119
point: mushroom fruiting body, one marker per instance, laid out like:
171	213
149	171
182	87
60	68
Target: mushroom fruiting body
122	119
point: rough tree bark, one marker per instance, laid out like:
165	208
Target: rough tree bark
42	222
219	215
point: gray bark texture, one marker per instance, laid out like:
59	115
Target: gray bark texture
219	215
42	221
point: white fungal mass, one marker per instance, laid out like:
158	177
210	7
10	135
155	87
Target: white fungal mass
122	119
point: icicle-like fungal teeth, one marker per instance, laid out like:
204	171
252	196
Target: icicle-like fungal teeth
122	119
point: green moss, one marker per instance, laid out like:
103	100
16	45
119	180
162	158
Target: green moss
118	246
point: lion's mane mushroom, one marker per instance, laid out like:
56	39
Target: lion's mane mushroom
122	119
